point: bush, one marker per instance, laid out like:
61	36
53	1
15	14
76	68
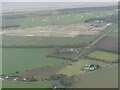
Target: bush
57	77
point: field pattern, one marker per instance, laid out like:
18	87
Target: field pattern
102	55
26	59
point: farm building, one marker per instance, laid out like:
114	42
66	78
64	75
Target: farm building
91	67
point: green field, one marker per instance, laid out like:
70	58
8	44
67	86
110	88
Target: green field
26	59
64	19
45	41
27	85
76	67
113	31
102	55
113	34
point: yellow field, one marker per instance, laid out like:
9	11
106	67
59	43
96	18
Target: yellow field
76	67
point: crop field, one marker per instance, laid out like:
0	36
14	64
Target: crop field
57	19
108	44
26	59
49	48
102	55
43	72
105	78
45	41
76	67
113	32
27	85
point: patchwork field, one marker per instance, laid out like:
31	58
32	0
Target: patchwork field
26	59
29	38
102	55
76	67
56	19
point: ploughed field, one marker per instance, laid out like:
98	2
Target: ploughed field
108	44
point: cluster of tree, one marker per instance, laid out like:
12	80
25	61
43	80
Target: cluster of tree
45	46
63	79
14	16
31	79
10	26
108	19
86	9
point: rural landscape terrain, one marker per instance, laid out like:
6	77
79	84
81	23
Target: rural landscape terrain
60	48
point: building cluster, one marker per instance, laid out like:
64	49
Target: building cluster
12	78
91	67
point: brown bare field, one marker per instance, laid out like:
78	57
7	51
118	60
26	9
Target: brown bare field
108	43
57	30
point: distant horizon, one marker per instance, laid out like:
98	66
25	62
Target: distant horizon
51	5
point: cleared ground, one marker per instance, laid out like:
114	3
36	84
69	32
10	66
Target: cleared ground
57	30
102	55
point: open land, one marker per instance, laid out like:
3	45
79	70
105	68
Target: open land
49	47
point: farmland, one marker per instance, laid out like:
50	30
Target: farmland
76	67
100	79
26	85
108	44
45	41
102	55
47	48
26	59
57	19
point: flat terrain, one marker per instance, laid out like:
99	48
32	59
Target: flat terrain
30	37
45	41
76	67
108	43
56	19
57	30
26	59
105	78
26	85
102	55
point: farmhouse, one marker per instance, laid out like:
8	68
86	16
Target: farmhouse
91	67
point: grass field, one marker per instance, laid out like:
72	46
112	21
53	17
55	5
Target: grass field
26	59
27	85
57	19
102	55
76	67
46	41
113	31
105	78
113	34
